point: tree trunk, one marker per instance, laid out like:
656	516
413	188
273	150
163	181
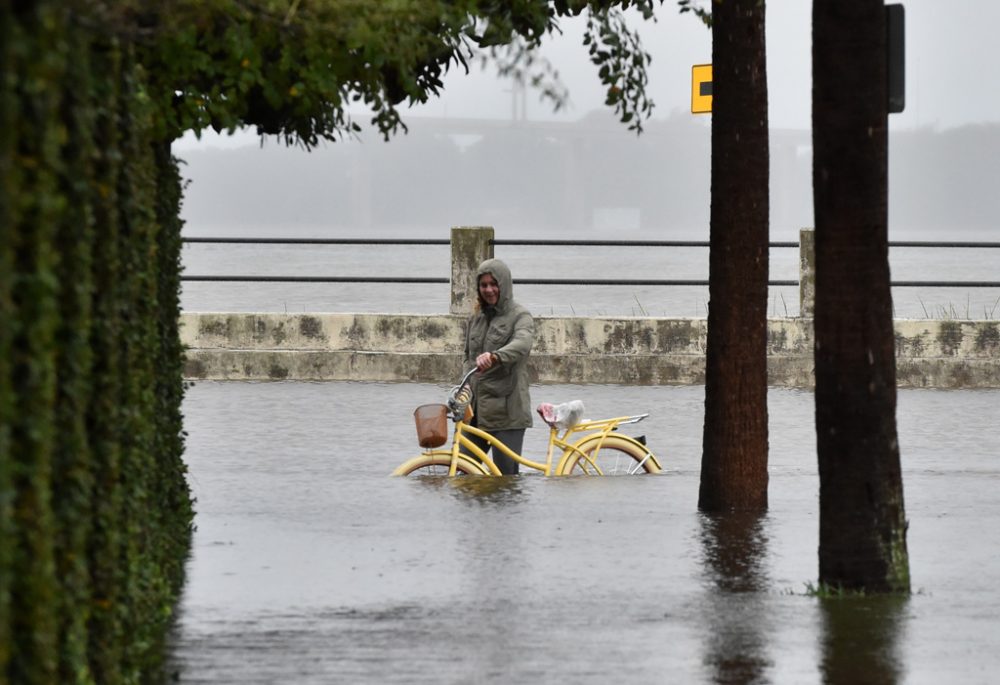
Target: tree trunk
862	521
734	458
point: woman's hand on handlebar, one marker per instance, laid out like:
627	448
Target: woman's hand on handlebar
486	360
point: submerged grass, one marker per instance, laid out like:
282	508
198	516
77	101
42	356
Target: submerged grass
825	591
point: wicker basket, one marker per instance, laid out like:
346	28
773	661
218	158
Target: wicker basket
432	424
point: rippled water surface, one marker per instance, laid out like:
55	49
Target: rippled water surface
312	565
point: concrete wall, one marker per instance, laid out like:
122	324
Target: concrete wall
627	350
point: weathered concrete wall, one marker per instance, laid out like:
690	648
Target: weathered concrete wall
948	354
470	247
635	351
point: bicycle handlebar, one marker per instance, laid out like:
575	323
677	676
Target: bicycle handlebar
467	377
460	396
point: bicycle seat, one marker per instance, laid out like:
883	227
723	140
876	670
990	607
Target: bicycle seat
565	415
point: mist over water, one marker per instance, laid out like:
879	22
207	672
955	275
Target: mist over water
591	179
555	180
487	153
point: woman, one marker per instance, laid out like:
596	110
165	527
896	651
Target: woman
498	339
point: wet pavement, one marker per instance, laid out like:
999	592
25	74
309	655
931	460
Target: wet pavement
312	565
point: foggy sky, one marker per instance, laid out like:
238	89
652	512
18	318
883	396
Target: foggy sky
952	69
951	83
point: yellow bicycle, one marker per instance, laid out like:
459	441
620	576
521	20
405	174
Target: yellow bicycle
584	447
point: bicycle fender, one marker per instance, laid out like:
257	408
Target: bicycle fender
410	464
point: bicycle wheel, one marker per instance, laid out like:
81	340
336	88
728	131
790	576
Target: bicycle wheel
437	464
612	457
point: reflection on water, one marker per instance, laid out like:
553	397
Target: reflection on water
734	550
494	556
860	637
489	491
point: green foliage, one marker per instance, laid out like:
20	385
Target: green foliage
95	511
8	115
170	475
105	636
139	518
621	62
95	515
294	69
72	477
689	6
38	209
825	591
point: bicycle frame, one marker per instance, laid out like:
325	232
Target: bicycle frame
589	432
579	446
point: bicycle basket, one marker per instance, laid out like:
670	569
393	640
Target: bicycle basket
432	424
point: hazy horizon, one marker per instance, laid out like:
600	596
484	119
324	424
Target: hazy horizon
943	147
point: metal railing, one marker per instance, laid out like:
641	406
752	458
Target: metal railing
549	243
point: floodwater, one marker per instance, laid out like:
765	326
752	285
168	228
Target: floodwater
312	565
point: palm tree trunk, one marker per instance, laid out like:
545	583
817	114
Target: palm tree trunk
734	459
862	519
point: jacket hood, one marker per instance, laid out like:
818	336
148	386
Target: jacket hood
501	274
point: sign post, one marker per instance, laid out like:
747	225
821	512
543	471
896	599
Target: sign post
701	89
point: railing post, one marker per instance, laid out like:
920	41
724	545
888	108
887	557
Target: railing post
807	272
470	246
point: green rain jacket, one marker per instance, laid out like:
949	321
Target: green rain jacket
501	392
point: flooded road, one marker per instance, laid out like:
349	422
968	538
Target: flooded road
312	565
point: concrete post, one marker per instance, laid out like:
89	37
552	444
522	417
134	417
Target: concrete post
470	246
807	272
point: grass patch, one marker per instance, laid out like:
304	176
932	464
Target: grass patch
824	591
642	310
950	311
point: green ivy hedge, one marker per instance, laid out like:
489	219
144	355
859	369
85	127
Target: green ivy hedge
95	512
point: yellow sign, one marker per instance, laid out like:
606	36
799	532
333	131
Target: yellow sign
701	89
